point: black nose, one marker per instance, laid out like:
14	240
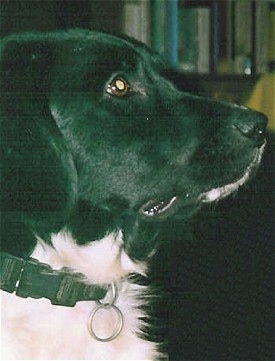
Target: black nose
252	125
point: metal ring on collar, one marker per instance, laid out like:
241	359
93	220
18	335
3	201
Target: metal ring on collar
116	331
113	295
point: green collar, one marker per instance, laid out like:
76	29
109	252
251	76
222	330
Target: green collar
30	278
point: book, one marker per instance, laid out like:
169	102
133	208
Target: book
242	36
194	39
136	20
261	33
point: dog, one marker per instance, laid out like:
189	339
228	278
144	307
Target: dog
100	149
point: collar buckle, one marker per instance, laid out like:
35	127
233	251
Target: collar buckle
31	278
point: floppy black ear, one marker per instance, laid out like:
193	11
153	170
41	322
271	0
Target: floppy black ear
26	63
38	177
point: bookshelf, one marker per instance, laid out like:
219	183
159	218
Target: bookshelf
206	36
197	36
223	46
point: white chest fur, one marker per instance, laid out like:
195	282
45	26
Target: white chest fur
36	330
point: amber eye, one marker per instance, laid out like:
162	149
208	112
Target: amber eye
119	87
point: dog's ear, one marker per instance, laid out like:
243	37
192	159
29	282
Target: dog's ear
38	177
26	63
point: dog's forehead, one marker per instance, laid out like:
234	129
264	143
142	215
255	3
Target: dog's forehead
114	50
110	47
78	48
85	52
110	41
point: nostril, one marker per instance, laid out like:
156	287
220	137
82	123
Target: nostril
253	126
250	130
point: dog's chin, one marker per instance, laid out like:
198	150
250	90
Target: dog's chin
161	209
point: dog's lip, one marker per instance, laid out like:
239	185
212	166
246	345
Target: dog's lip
158	208
166	206
216	194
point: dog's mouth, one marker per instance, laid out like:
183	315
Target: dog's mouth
155	208
165	207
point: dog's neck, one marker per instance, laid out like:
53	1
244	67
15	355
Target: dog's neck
62	282
119	318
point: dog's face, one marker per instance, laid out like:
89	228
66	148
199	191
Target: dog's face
108	142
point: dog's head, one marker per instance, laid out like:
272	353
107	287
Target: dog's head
97	138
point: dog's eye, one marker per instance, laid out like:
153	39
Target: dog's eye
119	87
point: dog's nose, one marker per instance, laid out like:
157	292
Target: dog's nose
252	125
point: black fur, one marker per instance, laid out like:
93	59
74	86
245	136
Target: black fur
75	156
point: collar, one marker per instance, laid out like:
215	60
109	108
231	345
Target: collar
31	278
